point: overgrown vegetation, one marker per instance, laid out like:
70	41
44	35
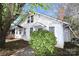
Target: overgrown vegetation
74	23
43	42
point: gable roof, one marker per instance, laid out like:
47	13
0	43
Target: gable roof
18	20
53	18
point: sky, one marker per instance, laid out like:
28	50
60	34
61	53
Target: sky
52	11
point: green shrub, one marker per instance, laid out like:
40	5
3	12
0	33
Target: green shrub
43	42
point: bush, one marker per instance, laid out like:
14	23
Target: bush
43	42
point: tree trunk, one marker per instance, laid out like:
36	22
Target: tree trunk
2	41
2	38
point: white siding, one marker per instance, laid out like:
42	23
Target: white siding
47	22
27	36
58	29
59	35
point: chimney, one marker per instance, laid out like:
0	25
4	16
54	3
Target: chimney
61	14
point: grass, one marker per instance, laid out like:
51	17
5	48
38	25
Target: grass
12	47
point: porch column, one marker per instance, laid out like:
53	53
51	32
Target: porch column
15	33
28	33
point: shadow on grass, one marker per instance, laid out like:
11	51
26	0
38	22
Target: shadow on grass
12	47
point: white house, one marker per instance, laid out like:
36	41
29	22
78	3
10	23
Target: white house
37	21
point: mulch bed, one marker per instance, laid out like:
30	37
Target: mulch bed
12	47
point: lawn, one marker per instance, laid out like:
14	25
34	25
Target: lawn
13	46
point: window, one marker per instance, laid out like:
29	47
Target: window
28	20
31	29
51	29
32	18
19	31
13	31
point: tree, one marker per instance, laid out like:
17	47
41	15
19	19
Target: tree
8	14
74	24
72	16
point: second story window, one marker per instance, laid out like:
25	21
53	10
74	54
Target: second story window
30	19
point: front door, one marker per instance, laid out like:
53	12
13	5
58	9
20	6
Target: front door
67	35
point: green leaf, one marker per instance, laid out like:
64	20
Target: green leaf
43	42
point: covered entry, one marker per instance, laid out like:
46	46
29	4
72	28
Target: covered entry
37	26
67	36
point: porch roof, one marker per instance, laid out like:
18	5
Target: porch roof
38	24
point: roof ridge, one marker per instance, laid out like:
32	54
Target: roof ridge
56	19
